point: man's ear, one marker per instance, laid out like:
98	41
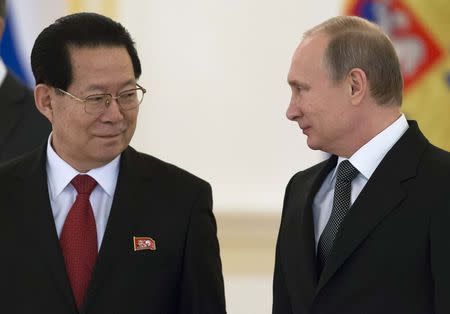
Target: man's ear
43	97
357	81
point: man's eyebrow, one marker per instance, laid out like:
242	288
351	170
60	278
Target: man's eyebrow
125	84
298	83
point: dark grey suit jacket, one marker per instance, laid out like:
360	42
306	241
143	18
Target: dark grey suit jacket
392	255
22	126
152	199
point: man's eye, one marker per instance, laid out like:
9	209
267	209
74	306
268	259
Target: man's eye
96	98
129	94
301	89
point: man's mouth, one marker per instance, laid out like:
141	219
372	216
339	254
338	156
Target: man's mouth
109	135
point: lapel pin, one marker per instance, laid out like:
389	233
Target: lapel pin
144	243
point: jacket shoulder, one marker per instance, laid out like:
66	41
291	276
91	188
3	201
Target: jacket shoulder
22	164
148	164
435	162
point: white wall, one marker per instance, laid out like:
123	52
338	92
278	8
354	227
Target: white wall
216	72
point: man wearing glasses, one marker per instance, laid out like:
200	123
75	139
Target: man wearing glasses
87	224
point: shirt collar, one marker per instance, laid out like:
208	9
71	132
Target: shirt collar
368	157
60	173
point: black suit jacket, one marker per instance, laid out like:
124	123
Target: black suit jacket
152	199
22	126
392	255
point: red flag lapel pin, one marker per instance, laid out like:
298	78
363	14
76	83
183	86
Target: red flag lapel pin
144	243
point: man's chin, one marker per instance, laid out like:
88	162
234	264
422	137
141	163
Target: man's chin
312	144
110	148
107	156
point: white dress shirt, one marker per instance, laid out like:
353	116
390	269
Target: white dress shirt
366	160
62	194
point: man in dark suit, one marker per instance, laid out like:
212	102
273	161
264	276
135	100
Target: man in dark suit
366	231
22	127
88	224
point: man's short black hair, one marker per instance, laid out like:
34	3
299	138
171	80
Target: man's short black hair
50	58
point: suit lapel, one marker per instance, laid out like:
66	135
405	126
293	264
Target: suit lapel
362	218
39	225
133	191
300	261
382	194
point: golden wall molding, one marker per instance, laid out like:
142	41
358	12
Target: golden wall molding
247	242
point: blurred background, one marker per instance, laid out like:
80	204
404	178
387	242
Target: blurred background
216	75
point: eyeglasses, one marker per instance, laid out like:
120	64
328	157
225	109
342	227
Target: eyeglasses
96	104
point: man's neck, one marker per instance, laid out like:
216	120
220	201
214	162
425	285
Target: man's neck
369	126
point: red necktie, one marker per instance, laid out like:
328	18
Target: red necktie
78	238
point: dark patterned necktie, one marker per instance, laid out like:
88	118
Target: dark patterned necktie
78	238
341	203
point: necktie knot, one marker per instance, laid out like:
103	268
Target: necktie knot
84	184
346	171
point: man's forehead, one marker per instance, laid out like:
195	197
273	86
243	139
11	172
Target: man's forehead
101	68
307	60
83	49
310	52
313	44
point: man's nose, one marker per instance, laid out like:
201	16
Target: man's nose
293	111
112	111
